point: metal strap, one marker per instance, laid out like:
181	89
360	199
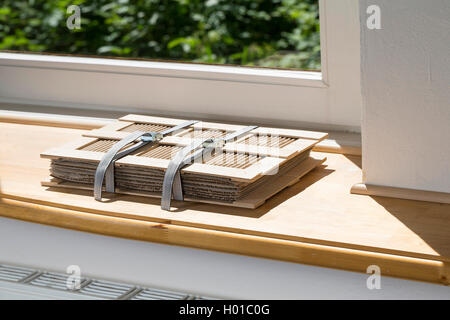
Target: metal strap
172	177
105	169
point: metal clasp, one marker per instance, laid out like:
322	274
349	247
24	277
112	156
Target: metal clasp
213	143
152	136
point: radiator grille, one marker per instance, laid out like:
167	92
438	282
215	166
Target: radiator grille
90	287
106	289
155	294
53	280
15	274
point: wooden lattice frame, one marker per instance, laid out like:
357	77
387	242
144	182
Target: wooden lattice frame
268	159
303	140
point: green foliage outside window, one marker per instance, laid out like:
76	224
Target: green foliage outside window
270	33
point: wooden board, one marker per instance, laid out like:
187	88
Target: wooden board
315	221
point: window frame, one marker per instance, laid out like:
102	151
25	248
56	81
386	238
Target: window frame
328	99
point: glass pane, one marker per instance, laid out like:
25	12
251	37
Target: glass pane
264	33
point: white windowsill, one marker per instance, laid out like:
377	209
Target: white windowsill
165	69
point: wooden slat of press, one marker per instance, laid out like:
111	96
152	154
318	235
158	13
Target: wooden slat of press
120	129
107	131
244	144
248	174
228	127
171	121
267	140
217	126
289	151
71	150
160	120
118	135
145	127
159	157
291	133
203	133
151	119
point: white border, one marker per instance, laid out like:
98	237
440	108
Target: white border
284	97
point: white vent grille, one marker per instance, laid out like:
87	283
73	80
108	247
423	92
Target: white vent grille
106	289
15	274
53	280
90	287
155	294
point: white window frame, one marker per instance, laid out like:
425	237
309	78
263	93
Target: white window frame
327	99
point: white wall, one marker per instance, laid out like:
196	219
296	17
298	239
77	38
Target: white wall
405	69
194	271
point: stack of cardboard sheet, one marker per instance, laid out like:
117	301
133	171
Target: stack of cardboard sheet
245	173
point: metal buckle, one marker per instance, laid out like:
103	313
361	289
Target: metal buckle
213	143
152	136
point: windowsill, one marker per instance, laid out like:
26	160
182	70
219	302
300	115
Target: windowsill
315	221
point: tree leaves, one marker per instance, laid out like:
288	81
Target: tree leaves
272	33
